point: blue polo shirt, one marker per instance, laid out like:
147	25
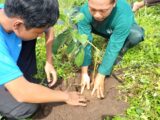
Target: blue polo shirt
10	46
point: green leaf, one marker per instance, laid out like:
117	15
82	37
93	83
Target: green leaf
63	17
70	47
157	70
79	57
77	17
60	40
74	52
139	111
83	39
144	80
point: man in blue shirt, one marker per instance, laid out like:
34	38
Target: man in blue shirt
25	20
27	58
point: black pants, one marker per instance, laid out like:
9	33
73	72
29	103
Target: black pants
9	107
151	2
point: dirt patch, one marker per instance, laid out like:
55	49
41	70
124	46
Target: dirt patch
96	109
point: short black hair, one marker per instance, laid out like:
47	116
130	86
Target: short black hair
35	13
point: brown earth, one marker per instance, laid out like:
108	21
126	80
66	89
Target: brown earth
96	109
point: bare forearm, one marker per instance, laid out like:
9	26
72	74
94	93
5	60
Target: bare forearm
41	94
84	69
49	36
34	93
49	52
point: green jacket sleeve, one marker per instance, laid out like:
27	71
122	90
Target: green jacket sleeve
117	39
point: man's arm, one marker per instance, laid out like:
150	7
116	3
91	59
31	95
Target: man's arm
49	36
116	42
114	46
49	68
24	91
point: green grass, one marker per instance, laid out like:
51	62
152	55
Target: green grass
2	1
141	87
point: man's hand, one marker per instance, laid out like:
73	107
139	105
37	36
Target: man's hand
85	81
75	98
51	74
99	86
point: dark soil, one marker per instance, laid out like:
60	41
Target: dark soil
96	109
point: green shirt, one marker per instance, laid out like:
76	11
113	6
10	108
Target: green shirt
118	24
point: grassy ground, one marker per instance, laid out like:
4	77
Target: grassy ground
141	87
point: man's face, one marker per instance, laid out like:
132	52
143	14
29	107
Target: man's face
26	34
100	9
30	34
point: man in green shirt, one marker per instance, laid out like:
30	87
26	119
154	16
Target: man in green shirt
111	19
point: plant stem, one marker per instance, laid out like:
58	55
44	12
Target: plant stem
94	46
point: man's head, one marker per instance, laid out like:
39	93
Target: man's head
100	9
31	17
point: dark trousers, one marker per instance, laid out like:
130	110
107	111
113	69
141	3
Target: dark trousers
9	107
136	36
151	2
13	109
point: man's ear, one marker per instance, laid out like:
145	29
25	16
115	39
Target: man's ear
115	3
17	25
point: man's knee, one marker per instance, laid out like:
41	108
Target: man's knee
23	111
136	35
